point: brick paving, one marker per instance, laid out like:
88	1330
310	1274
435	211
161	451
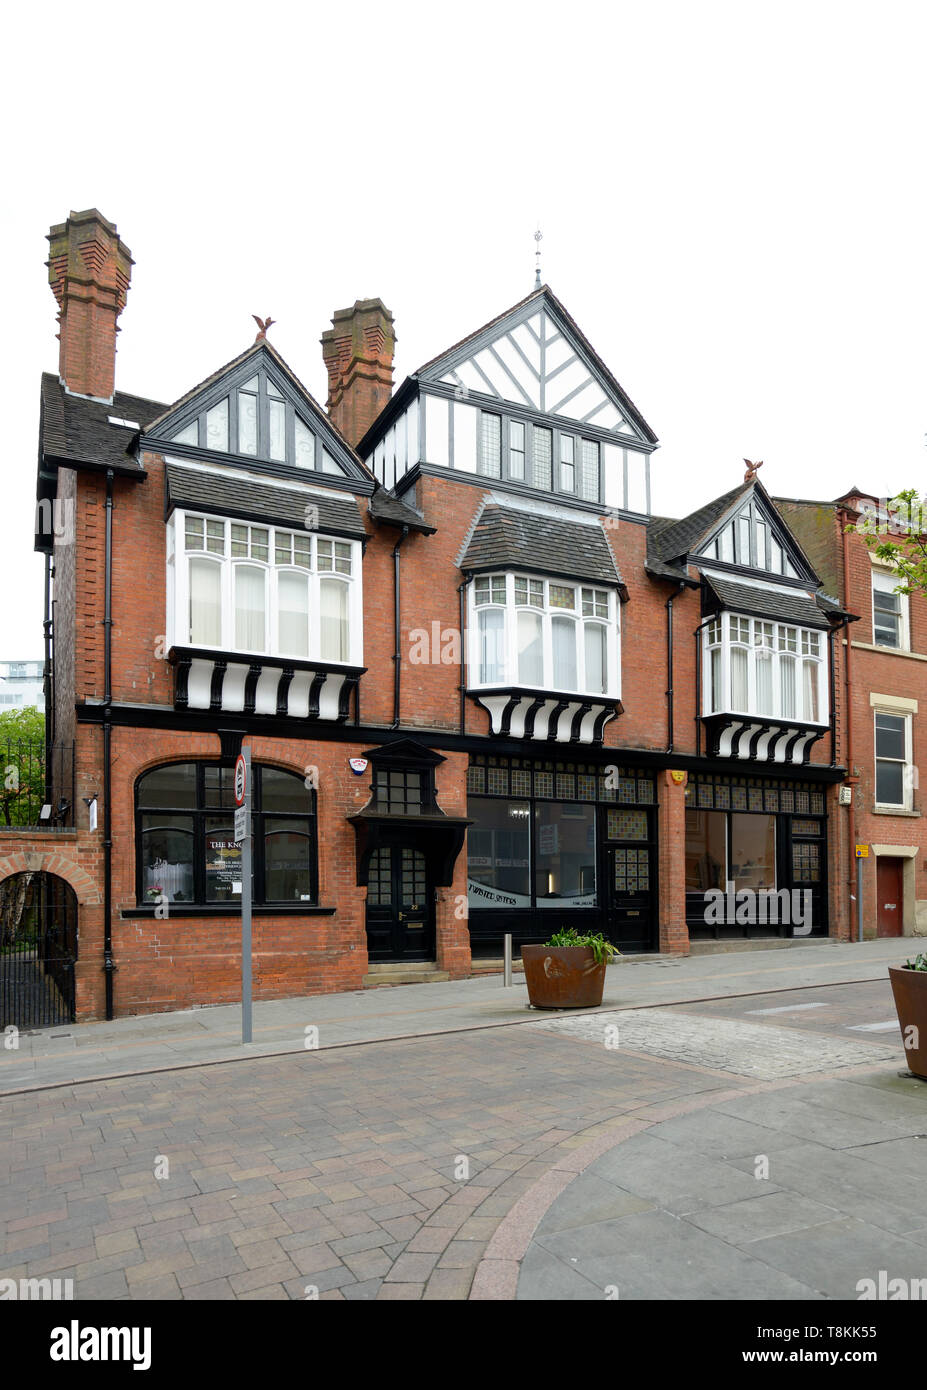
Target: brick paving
333	1171
387	1171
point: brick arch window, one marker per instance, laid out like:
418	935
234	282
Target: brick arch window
185	851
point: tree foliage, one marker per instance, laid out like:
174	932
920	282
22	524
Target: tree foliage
22	753
897	535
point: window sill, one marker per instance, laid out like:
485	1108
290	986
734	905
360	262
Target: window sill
227	910
889	651
893	811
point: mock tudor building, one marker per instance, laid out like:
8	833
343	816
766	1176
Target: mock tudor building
485	689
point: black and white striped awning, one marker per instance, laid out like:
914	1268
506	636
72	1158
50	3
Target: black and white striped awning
232	684
758	740
546	717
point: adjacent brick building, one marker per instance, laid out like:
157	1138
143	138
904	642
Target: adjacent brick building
882	685
484	687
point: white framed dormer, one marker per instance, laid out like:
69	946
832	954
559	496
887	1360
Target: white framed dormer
758	668
243	587
545	634
891	612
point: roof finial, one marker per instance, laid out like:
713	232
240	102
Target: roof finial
752	469
263	325
537	267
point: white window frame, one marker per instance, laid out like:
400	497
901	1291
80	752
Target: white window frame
178	589
578	440
886	582
510	609
728	547
907	781
717	637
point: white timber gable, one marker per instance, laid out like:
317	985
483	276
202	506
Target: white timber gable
526	402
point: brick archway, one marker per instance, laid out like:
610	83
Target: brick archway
39	858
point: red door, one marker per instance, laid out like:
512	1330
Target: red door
889	896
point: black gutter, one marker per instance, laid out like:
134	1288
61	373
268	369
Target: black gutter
397	630
669	665
109	965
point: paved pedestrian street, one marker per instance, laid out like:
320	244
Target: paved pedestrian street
552	1159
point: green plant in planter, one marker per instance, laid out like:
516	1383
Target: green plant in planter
918	963
594	941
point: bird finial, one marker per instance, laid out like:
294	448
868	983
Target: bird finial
537	266
263	325
751	470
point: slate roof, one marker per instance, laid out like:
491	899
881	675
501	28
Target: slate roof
76	430
655	564
678	538
252	501
779	603
505	537
384	506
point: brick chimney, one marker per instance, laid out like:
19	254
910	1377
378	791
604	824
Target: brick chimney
358	352
89	270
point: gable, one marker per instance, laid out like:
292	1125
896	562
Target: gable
751	533
535	357
254	409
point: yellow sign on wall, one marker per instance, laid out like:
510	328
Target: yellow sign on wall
862	851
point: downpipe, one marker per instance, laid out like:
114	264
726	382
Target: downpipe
109	965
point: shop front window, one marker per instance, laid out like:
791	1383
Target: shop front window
564	874
499	848
706	850
185	843
753	851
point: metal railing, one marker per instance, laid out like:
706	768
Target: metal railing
33	796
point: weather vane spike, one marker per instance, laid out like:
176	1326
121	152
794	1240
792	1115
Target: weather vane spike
537	254
263	325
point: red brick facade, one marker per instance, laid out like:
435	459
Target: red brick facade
184	957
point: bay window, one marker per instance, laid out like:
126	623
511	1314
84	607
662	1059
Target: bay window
544	634
755	667
263	589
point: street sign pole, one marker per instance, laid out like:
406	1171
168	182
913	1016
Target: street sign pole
245	899
862	852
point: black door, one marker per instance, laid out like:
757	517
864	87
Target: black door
400	906
630	878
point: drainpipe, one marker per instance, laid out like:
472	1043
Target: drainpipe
397	654
669	665
46	685
461	591
832	685
848	697
109	965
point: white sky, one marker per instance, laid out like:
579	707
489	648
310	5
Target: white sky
731	197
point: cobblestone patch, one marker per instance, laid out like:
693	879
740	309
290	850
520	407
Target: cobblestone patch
763	1051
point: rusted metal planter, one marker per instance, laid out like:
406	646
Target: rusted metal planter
563	977
910	990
